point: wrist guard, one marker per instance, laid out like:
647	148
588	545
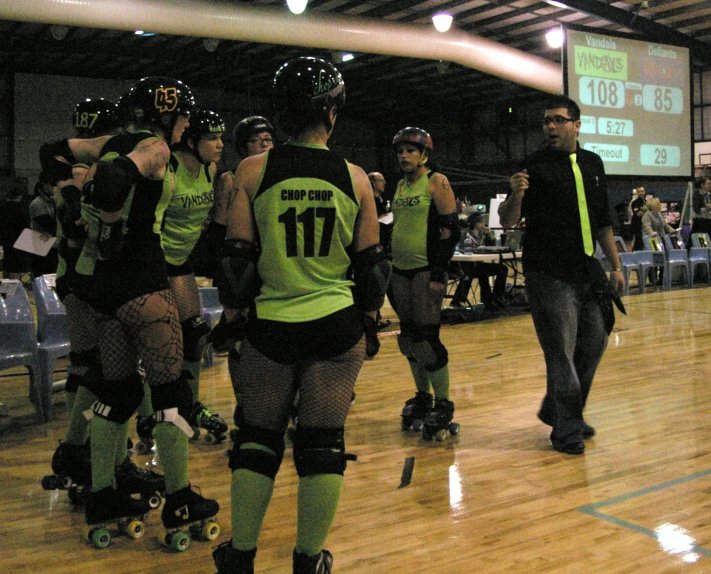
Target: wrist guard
371	275
445	247
110	240
372	345
112	183
237	280
438	275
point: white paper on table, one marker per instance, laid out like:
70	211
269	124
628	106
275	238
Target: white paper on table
386	219
34	242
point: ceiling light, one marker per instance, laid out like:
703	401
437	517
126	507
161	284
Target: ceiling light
59	32
442	21
297	6
555	37
210	44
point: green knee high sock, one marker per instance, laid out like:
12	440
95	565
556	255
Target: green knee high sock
251	493
172	446
440	382
422	379
104	439
194	369
78	430
318	502
121	446
70	397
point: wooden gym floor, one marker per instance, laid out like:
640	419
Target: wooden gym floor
495	499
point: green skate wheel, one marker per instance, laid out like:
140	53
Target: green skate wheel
136	529
454	429
210	531
180	541
441	434
100	537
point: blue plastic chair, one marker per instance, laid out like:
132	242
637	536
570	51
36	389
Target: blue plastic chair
699	255
211	310
629	263
52	333
18	339
677	256
658	258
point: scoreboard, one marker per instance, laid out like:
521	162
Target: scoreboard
635	101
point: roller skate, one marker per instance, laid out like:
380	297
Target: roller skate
415	411
188	515
214	424
438	422
232	561
72	471
144	429
134	480
108	505
319	564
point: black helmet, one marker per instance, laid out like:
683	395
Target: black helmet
158	101
304	91
203	122
97	117
248	127
416	136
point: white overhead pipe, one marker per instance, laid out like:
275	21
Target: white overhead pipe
235	21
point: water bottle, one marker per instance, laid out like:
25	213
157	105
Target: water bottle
468	243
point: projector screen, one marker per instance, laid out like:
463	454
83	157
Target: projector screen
635	102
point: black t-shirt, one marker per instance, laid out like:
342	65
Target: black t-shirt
553	241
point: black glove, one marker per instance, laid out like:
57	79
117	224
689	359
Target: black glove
438	275
372	345
110	241
225	335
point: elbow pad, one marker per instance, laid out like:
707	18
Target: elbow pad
54	169
237	280
371	275
113	182
446	247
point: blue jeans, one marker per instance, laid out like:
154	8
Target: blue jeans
572	336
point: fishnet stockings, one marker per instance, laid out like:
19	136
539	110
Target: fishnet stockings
83	329
325	388
185	290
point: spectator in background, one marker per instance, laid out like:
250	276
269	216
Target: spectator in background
14	218
653	223
702	206
43	220
636	211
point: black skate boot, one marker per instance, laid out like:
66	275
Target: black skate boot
107	505
214	424
232	561
148	483
438	422
71	465
415	411
319	564
186	514
144	430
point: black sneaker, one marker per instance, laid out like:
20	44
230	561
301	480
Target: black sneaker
319	564
229	560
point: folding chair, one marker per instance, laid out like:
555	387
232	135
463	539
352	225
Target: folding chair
18	338
52	335
699	254
655	257
211	310
629	262
677	257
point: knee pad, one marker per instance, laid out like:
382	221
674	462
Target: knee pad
319	451
89	362
263	452
117	399
405	339
428	350
173	403
195	332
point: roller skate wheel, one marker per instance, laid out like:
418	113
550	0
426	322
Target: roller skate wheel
196	434
50	482
441	434
99	537
210	531
164	538
67	482
180	541
136	529
143	447
417	425
454	429
210	439
154	500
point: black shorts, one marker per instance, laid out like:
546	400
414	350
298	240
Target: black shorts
179	270
287	343
139	270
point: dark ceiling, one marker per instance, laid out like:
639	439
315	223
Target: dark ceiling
378	86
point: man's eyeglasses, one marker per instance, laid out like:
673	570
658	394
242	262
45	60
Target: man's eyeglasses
557	120
261	141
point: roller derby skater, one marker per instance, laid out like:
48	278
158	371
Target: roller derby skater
203	418
108	505
424	235
438	422
307	332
